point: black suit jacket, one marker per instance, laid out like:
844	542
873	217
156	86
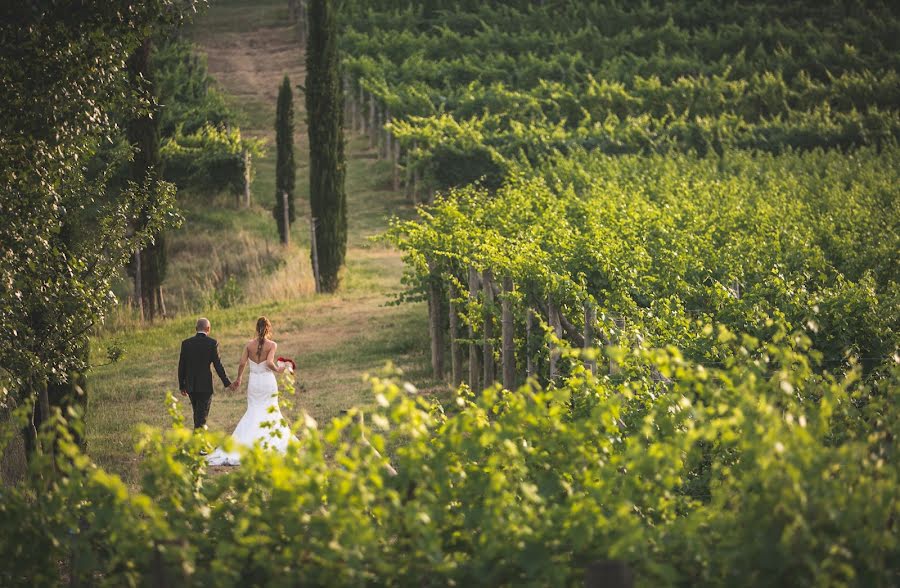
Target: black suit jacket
197	353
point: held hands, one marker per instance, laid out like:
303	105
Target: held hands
235	385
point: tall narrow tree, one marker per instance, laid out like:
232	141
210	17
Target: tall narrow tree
65	233
285	169
143	134
325	121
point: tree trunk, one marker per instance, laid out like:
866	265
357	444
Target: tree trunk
490	375
508	350
474	352
143	134
608	574
314	255
456	352
286	218
138	286
44	403
436	322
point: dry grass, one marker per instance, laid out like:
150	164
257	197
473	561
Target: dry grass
336	339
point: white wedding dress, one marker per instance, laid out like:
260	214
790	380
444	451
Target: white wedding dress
262	423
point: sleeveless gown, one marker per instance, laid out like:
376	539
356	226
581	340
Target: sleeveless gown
262	423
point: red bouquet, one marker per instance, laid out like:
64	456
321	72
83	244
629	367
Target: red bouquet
288	363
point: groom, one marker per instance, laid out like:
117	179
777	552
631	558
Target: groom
194	377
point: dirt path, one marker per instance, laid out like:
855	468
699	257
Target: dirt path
250	66
250	47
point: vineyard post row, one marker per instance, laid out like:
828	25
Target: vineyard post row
453	304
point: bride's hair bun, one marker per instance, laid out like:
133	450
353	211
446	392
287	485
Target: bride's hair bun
263	330
263	327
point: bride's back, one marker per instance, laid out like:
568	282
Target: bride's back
258	351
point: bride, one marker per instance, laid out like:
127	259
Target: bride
262	422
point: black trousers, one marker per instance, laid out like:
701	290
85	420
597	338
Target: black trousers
200	405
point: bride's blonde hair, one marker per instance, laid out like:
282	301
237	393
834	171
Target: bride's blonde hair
263	330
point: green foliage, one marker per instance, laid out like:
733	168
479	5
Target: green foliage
673	243
188	97
285	170
64	237
325	120
728	476
527	80
202	146
229	294
209	161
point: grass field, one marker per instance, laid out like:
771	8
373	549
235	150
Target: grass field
335	338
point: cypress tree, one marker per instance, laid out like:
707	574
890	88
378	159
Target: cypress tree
325	121
284	164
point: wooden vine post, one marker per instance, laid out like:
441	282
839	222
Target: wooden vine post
354	109
388	149
379	131
488	348
508	349
373	122
359	105
161	301
614	368
348	102
435	322
246	155
456	351
395	166
556	327
590	318
474	353
416	179
529	342
408	172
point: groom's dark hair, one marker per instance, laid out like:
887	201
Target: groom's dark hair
202	324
